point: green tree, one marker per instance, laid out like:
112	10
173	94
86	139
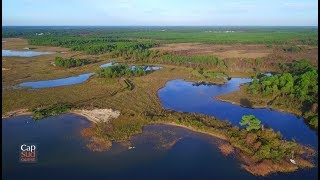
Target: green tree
314	122
286	82
251	122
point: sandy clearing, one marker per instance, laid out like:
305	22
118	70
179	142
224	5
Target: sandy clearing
98	115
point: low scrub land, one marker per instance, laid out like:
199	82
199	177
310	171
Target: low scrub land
220	50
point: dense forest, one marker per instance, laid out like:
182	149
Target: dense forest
299	81
94	45
225	35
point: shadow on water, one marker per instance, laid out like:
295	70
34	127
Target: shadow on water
245	102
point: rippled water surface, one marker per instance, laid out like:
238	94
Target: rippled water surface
160	152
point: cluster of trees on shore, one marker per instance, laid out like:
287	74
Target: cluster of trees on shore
264	143
299	81
53	110
72	62
121	70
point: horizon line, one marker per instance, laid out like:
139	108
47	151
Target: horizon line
161	25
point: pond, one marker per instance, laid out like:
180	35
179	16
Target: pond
161	152
71	80
57	82
148	68
108	64
180	95
24	53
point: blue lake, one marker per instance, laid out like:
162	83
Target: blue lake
24	53
183	96
62	154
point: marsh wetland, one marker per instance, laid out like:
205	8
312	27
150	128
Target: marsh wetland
180	102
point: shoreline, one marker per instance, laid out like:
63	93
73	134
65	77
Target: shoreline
85	116
18	112
189	128
257	106
247	163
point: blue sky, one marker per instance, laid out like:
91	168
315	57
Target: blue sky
160	12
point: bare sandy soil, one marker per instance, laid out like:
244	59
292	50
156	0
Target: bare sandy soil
98	115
